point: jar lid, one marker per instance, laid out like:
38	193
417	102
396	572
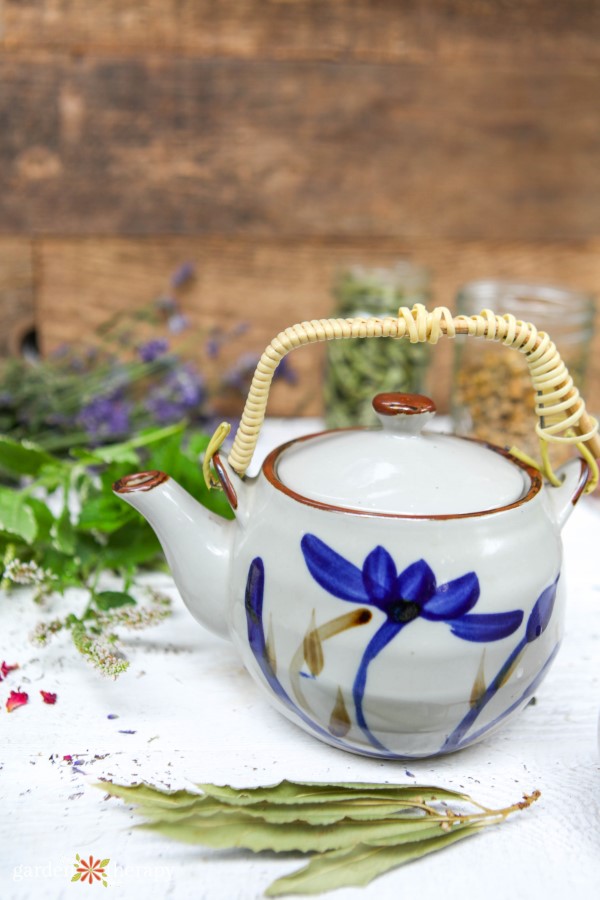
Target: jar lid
399	469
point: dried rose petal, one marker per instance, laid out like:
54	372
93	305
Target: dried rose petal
16	699
48	697
5	668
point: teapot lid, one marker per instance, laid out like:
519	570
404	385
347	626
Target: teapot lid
398	469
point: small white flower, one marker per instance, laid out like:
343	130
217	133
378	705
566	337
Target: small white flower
20	572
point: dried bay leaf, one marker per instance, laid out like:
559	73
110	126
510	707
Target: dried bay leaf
317	814
221	831
359	866
157	804
320	792
147	795
355	830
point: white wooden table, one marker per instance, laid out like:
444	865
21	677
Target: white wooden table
187	712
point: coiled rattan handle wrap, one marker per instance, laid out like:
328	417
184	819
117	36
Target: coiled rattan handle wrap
560	409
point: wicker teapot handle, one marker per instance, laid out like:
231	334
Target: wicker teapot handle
559	407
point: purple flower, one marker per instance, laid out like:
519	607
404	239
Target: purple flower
167	304
180	393
182	274
212	347
151	350
105	417
404	597
178	323
284	372
238	376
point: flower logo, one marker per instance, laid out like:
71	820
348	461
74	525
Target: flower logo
90	870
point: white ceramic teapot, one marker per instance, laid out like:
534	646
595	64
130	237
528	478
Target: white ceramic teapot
396	592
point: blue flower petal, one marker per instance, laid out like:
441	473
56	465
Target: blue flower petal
541	613
255	587
453	599
379	575
486	627
332	571
416	583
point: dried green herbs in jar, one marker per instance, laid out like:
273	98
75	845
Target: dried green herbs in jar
358	369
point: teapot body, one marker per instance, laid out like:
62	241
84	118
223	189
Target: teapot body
396	636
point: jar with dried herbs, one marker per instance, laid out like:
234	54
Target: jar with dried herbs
357	370
492	395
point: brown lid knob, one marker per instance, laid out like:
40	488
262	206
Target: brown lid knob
402	404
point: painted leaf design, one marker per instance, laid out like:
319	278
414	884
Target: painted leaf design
340	722
76	876
313	648
270	647
479	685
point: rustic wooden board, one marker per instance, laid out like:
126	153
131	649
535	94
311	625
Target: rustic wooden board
147	146
274	283
17	314
312	29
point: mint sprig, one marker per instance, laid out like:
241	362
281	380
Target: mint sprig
62	527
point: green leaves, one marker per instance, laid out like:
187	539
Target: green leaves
113	599
356	830
65	528
22	457
17	519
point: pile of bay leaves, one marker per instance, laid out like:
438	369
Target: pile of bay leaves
354	831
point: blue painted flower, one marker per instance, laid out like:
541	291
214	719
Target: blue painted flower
254	599
538	621
404	597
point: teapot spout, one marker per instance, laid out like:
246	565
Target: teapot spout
196	542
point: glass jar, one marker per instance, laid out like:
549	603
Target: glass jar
358	369
492	394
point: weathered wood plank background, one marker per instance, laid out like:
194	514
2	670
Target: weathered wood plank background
272	142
